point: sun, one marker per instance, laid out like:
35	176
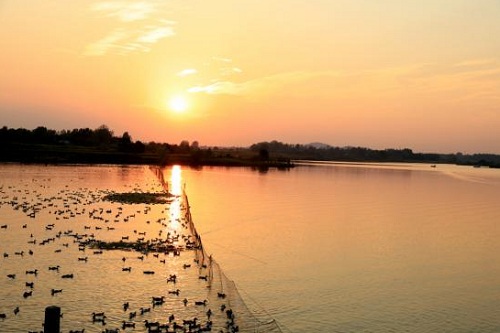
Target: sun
178	104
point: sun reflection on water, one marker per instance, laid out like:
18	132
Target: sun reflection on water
175	206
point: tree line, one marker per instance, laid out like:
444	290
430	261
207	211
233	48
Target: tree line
82	145
101	145
361	154
101	137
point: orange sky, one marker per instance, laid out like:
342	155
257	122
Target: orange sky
420	74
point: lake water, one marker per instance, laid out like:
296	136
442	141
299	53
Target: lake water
320	248
358	248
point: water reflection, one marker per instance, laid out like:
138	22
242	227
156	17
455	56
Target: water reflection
176	180
175	207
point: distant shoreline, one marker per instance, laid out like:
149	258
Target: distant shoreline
225	157
71	155
100	146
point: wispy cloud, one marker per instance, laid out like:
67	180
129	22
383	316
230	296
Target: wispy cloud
472	81
106	43
229	71
140	26
153	34
187	71
267	84
222	59
125	11
219	74
221	87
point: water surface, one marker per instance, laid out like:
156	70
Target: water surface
321	247
358	248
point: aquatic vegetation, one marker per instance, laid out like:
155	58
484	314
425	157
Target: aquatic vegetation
156	246
140	198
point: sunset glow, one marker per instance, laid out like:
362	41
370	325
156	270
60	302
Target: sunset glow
377	74
175	205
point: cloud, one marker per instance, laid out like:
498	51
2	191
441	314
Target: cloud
141	25
154	34
125	11
221	87
106	43
124	41
474	81
187	71
229	71
222	59
264	85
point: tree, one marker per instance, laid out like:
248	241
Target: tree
125	143
103	135
139	147
42	135
184	146
126	139
264	154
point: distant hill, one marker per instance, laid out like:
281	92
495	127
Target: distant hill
318	145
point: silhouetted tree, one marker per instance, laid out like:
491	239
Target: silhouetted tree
139	147
125	143
264	154
43	135
103	135
184	146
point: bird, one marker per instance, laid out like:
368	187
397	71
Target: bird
174	292
144	310
126	324
55	291
132	315
126	305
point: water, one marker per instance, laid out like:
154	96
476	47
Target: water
47	212
323	248
358	248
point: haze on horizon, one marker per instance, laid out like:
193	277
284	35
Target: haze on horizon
423	75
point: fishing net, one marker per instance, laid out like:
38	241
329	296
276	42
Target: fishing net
221	289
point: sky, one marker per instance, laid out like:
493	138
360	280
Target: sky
418	74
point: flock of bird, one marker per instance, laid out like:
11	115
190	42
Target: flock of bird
54	235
